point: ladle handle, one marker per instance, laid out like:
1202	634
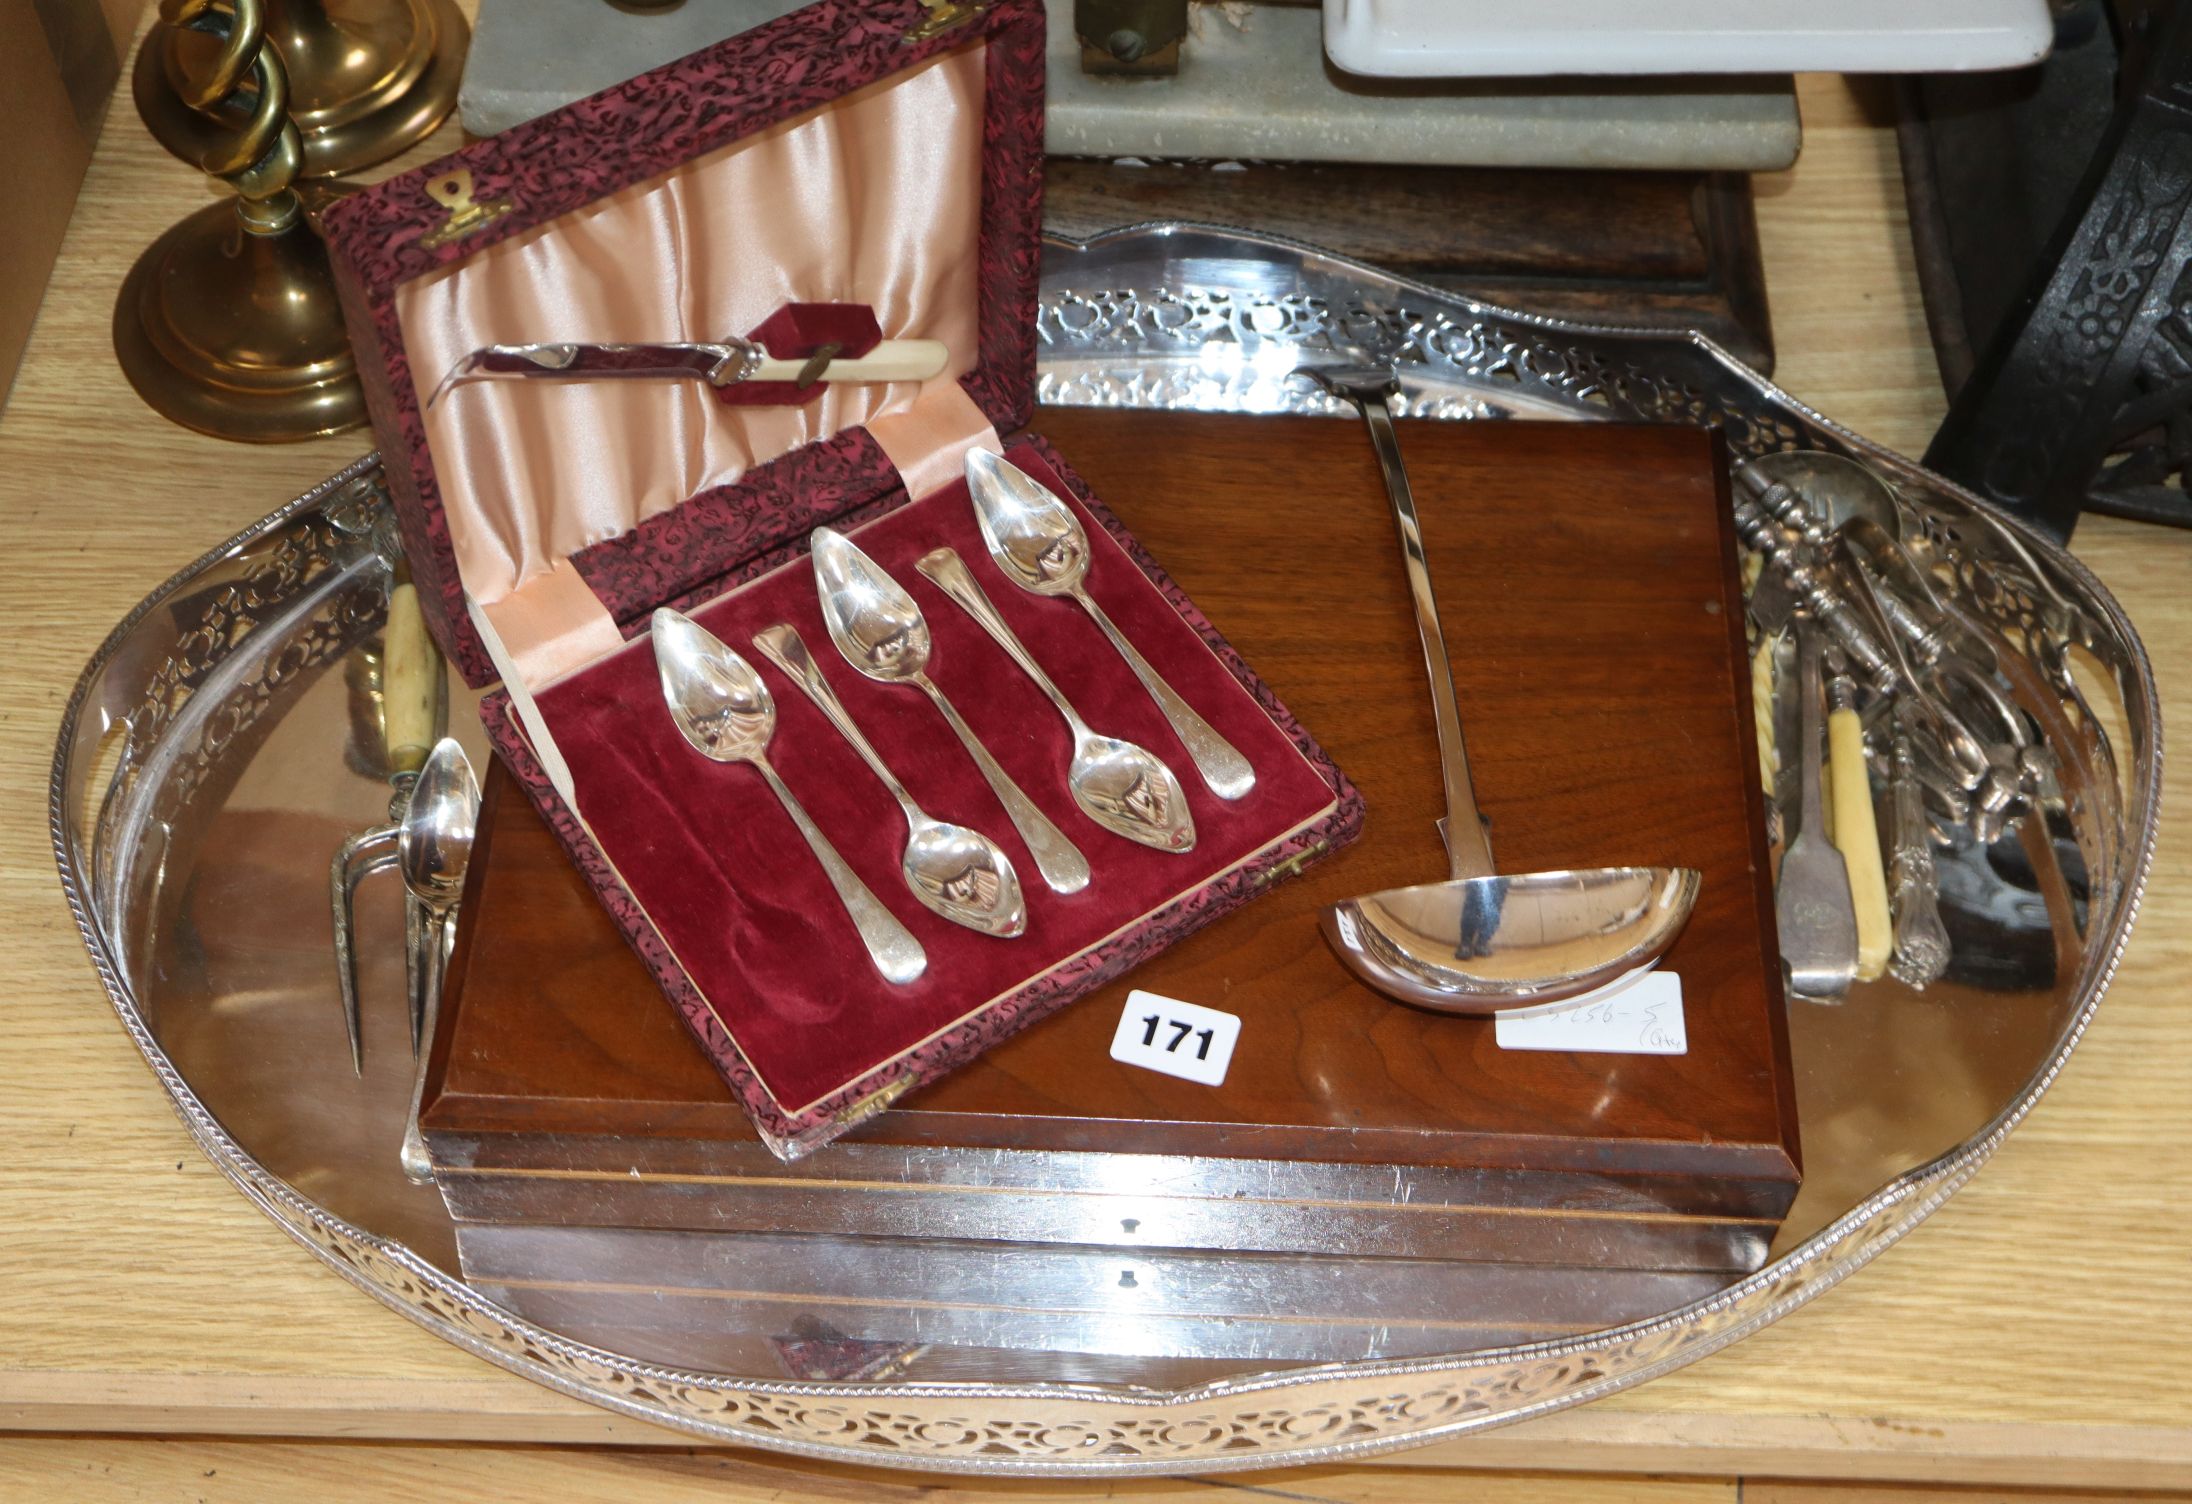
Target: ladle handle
1468	849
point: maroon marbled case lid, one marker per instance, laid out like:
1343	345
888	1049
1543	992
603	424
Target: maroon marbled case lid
386	236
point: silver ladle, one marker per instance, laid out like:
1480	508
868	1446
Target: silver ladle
1040	546
726	712
434	847
956	872
1480	943
881	632
1124	788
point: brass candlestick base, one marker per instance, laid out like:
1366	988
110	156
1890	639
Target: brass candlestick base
367	78
237	333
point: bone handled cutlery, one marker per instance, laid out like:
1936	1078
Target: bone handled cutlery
956	872
1856	834
1479	942
440	821
1124	788
411	714
880	630
1812	905
1041	546
719	363
726	713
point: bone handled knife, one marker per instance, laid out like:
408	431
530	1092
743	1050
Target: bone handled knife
721	363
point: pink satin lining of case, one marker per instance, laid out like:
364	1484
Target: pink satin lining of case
873	199
928	441
554	625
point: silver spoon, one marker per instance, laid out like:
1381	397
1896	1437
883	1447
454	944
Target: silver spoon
1120	786
881	631
724	709
1041	547
434	846
957	872
1812	906
1480	943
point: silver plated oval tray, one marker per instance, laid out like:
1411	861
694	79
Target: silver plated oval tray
210	760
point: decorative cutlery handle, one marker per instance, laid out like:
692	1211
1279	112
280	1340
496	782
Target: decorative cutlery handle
1060	862
1218	760
782	646
1921	940
1811	810
897	955
949	573
1826	605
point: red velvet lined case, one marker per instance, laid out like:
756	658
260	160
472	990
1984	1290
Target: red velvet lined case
544	521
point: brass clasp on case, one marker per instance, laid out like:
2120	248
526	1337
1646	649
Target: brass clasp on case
1292	866
453	191
943	16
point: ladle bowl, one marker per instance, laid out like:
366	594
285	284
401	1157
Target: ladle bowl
1489	944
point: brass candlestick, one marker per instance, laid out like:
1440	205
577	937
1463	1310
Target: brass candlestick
228	323
367	78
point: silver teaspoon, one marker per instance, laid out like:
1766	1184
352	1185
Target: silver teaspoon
881	631
1041	547
434	847
957	872
725	711
1120	786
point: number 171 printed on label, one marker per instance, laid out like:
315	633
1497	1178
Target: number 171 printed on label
1179	1039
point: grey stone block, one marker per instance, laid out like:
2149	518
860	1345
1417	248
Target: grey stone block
1256	88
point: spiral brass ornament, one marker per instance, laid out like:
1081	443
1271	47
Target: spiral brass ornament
367	78
261	159
229	322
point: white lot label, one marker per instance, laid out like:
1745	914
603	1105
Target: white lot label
1179	1039
1638	1015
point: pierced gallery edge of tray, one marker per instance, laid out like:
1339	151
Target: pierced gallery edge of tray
217	682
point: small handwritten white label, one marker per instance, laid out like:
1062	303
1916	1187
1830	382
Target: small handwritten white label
1179	1039
1641	1014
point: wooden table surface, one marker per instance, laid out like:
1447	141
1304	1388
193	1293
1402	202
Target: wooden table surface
2027	1333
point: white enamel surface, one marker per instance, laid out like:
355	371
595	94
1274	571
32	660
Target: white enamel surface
1480	39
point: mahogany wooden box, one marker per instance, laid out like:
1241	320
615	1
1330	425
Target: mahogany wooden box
1587	581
